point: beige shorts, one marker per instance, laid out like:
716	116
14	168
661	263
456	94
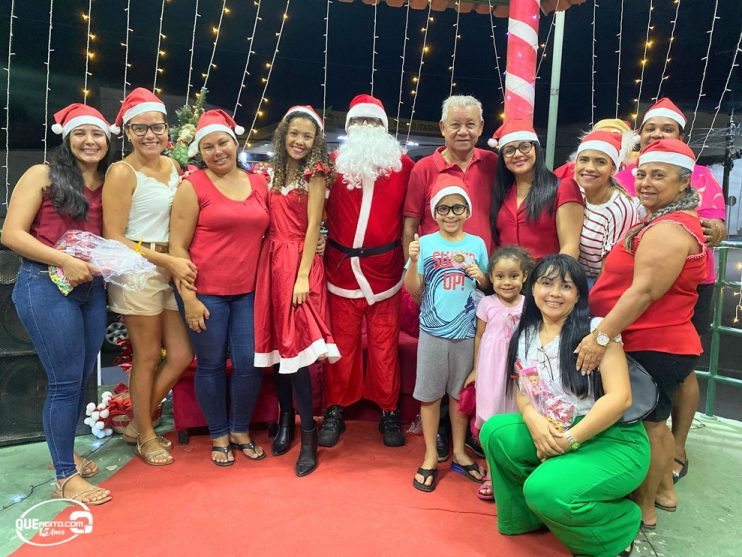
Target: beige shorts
156	296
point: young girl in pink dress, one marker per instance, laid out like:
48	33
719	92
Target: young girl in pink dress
291	317
497	317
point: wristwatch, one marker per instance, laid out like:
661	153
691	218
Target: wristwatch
601	338
574	444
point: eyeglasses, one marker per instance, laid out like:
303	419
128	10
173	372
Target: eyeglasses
524	147
457	209
360	120
141	129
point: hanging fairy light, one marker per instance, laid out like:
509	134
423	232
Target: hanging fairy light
726	89
544	46
592	66
618	52
401	71
456	38
160	52
643	62
217	31
497	56
46	86
88	55
425	49
705	67
373	49
250	52
196	15
7	101
324	67
266	80
669	48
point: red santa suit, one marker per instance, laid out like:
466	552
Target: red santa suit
364	268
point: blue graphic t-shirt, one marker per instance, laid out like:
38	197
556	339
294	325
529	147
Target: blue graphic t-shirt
450	297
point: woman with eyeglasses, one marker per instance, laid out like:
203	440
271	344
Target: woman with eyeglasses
530	207
137	197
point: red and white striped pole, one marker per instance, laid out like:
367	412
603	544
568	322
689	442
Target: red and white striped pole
520	74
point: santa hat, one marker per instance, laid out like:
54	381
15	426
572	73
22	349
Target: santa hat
139	101
78	114
516	129
213	121
670	151
666	108
605	142
448	185
305	110
366	106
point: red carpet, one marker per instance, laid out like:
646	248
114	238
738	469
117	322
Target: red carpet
359	502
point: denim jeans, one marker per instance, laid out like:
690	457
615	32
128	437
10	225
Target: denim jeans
230	324
67	333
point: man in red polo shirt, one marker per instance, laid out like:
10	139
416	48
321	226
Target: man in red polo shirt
461	126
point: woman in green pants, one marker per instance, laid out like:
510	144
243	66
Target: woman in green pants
564	462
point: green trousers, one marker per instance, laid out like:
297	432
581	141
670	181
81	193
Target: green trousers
580	496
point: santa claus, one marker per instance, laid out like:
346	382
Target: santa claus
364	269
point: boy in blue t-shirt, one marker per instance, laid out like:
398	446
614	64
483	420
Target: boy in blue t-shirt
447	266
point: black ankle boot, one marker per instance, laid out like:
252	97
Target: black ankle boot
285	435
308	454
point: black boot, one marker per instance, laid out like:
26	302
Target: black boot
307	461
285	435
333	424
390	428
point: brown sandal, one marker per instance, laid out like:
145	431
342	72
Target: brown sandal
82	496
150	456
132	440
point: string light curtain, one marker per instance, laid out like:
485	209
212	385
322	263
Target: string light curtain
592	66
266	80
705	67
160	52
217	32
497	56
373	47
46	86
456	38
418	78
643	63
7	100
664	76
324	68
88	55
401	72
196	15
250	52
618	52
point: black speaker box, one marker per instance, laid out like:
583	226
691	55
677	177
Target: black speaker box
23	381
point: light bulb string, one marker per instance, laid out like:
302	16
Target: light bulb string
373	47
196	15
705	67
497	56
592	66
455	42
159	43
87	54
216	41
419	73
669	48
7	101
46	86
618	66
643	63
401	72
250	51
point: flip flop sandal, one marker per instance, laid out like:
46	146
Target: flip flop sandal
226	451
677	476
485	492
248	447
426	473
467	470
666	508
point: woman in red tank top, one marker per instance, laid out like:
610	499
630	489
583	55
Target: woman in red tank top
66	330
647	292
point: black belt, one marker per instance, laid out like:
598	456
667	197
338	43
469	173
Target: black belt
362	252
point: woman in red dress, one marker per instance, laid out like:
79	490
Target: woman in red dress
291	317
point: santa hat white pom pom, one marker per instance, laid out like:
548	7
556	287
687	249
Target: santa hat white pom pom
239	130
637	139
56	128
492	142
115	129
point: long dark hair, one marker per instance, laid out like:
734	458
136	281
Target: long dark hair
318	153
573	331
541	197
66	186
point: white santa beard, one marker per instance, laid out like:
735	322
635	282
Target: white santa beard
369	152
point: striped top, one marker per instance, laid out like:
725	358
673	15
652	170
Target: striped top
603	227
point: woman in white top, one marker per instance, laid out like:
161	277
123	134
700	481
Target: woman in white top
137	197
609	211
564	461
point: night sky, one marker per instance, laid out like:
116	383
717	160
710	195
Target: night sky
298	71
